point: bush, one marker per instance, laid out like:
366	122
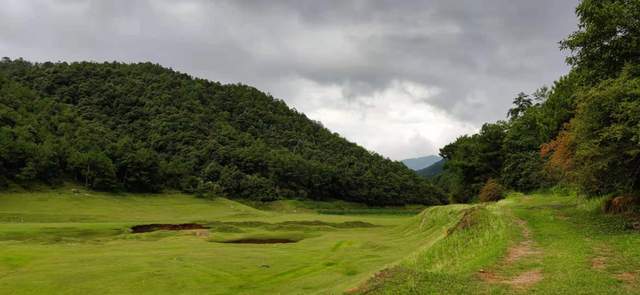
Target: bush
208	190
621	204
492	191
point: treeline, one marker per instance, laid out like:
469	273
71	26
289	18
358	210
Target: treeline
145	128
583	132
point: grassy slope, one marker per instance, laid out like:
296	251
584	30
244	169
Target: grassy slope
61	242
574	248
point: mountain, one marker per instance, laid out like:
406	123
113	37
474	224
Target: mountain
433	170
144	128
421	162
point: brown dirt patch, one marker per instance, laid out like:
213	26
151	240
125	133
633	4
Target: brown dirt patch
145	228
521	281
260	241
522	249
526	279
515	253
603	253
599	263
489	277
627	277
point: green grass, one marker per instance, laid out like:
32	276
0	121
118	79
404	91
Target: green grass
569	233
79	243
61	242
572	233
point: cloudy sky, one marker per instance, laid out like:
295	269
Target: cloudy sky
401	78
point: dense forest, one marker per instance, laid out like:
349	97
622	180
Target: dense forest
145	128
584	132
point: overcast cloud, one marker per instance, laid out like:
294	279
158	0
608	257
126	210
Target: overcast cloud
401	78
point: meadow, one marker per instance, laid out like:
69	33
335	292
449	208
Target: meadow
70	241
78	242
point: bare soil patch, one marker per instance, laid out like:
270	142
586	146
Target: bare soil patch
145	228
599	262
522	249
628	278
526	279
515	253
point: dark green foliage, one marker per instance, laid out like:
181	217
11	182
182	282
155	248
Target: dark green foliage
472	160
608	38
142	127
607	130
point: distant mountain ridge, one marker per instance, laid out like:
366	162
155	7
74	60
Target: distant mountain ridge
421	162
433	170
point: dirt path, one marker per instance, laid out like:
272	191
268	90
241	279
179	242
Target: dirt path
516	253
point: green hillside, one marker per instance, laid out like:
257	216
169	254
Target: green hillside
145	128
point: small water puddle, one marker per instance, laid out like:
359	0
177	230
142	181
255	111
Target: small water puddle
260	241
145	228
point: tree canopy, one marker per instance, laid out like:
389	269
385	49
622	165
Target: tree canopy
584	131
142	127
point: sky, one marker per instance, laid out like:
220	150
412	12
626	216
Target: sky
401	78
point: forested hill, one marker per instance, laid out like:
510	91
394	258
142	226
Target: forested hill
142	127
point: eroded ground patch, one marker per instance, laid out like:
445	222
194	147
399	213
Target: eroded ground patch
145	228
516	253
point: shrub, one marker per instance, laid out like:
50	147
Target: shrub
621	204
208	190
492	191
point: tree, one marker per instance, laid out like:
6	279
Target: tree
162	129
94	169
472	160
607	155
522	102
608	37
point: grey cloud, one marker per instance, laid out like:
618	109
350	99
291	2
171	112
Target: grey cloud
478	53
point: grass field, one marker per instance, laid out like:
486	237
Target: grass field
64	242
79	243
